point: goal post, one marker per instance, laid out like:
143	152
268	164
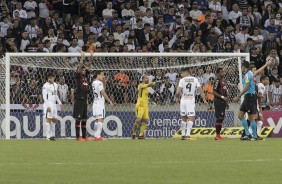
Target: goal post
140	63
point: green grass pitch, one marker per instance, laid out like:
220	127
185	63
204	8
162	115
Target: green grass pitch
163	161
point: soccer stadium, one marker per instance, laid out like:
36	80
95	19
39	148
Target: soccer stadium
140	91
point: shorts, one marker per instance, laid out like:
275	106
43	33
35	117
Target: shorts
98	111
219	109
80	110
50	115
187	108
249	104
142	112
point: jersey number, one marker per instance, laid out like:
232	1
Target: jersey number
95	94
188	86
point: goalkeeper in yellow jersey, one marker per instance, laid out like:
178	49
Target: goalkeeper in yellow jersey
142	107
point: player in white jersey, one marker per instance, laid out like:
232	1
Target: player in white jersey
99	104
262	98
186	90
50	97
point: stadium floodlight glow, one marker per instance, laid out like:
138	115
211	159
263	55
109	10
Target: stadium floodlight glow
127	62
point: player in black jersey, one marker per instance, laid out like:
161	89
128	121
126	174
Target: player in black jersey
80	97
220	101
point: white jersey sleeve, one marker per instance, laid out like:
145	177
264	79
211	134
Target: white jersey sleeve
97	87
189	87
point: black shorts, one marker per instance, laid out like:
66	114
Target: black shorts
80	110
219	109
249	104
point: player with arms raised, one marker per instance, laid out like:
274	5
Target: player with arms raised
50	97
142	107
80	98
186	90
99	104
220	101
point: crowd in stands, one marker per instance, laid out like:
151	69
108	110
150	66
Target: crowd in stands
252	26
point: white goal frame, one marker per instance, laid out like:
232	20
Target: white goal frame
9	55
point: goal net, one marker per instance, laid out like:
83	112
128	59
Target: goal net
23	75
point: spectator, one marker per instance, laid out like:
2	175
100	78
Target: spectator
275	93
118	35
63	90
148	19
195	13
108	12
32	47
5	25
272	74
242	36
234	15
257	15
269	44
24	41
127	13
32	94
22	13
44	7
161	10
31	8
245	20
219	46
257	38
31	28
96	27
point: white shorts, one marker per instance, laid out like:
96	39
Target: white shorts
50	115
98	112
187	108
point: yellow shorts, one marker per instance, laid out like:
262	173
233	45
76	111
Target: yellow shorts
142	112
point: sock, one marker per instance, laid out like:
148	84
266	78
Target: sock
135	126
259	126
189	126
83	129
245	125
183	128
77	128
218	126
142	129
99	129
254	128
52	129
47	128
